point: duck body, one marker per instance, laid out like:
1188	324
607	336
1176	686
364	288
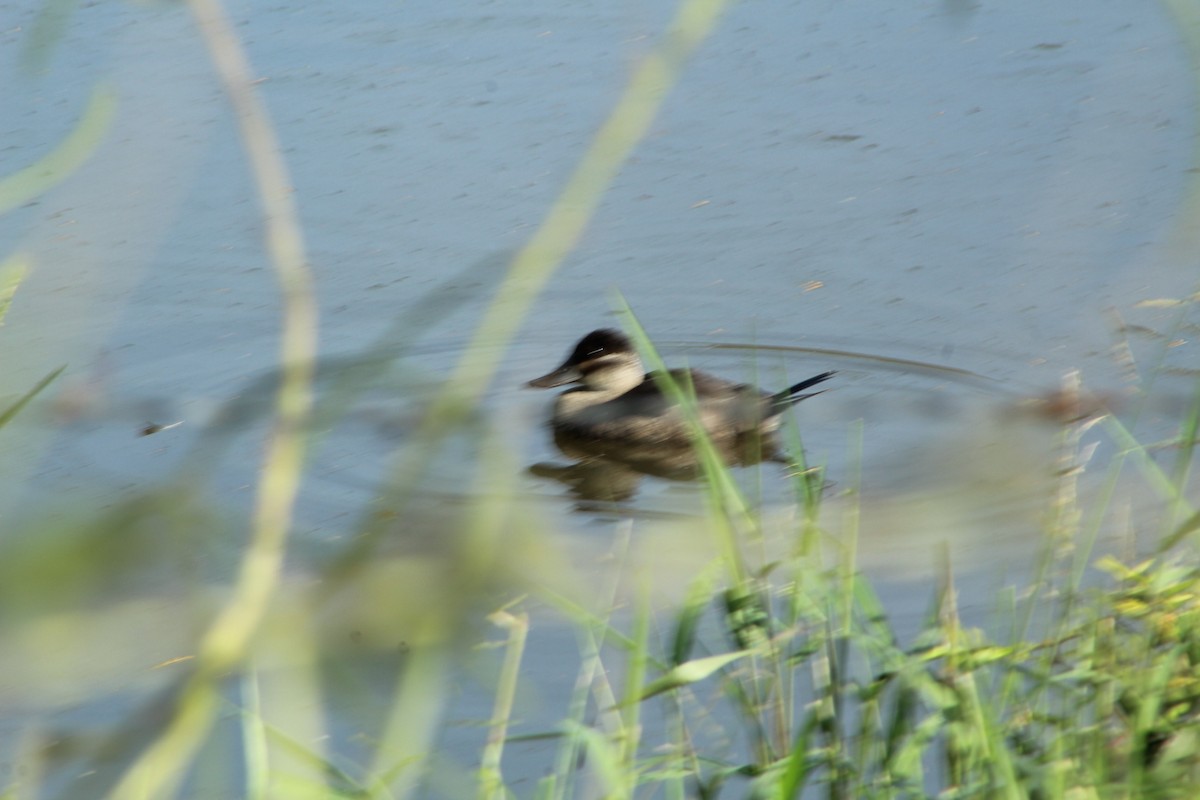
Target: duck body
617	401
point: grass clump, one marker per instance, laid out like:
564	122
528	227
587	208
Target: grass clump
817	698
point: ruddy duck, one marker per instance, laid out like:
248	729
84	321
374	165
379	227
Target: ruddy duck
617	401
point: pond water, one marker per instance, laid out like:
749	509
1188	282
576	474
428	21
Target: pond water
952	204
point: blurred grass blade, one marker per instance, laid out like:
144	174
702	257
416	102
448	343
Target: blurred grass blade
12	274
605	759
231	634
254	738
26	184
687	621
690	672
1186	529
797	772
410	733
7	415
46	32
1156	478
491	783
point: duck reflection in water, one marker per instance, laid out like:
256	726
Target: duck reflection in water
619	425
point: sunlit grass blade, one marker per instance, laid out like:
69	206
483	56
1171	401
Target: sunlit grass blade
288	726
691	672
491	783
413	721
13	272
254	739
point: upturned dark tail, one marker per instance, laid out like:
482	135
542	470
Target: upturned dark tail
790	396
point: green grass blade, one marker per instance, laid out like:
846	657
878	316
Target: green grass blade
7	415
690	672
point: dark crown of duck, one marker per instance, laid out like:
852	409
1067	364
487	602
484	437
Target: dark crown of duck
600	343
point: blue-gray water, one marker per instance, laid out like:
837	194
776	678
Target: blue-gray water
998	189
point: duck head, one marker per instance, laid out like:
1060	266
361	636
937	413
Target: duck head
604	361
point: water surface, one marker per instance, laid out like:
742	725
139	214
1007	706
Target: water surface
951	204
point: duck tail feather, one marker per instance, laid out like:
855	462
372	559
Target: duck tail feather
790	396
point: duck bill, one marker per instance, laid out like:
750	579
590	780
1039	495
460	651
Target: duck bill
559	377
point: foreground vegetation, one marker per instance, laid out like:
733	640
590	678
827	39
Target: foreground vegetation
777	676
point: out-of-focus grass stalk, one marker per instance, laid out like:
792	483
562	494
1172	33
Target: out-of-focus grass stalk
225	643
254	738
487	524
52	168
7	414
488	521
683	763
635	684
558	785
30	753
288	683
491	781
46	32
604	758
589	680
405	754
412	724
